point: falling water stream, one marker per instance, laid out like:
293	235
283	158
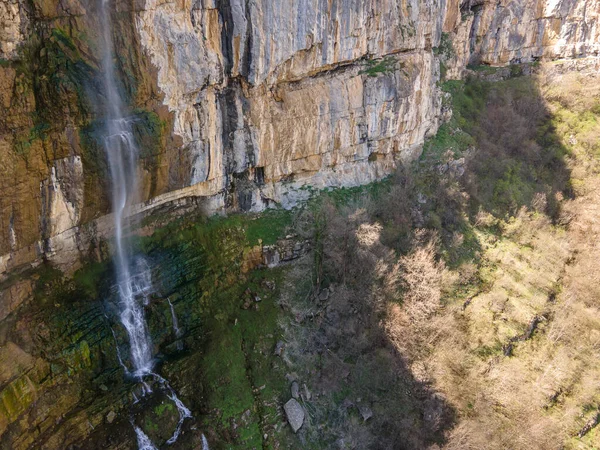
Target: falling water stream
134	280
176	328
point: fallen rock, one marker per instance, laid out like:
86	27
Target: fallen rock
295	390
457	167
365	412
111	416
294	413
279	348
324	295
291	377
268	284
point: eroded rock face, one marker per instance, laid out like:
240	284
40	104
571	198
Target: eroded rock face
510	32
243	103
13	26
269	92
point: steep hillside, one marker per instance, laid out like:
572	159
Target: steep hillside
451	305
408	249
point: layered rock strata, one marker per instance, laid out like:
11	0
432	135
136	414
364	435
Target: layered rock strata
243	103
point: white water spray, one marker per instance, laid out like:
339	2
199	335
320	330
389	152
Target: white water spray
176	328
204	443
174	317
144	442
134	280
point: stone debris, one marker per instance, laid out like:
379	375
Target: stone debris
365	412
111	416
295	388
324	295
295	414
279	348
286	250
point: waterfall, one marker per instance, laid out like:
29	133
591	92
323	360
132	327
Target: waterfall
176	328
144	442
134	278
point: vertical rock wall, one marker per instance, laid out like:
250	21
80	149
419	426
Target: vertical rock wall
241	102
511	32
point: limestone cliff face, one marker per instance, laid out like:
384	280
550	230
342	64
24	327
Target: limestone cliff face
241	103
511	32
238	105
268	97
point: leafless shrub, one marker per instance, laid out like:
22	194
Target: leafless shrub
539	203
421	282
417	279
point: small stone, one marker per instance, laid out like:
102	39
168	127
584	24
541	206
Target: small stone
295	414
246	416
111	416
295	390
307	394
365	412
347	403
291	377
265	436
103	388
257	298
279	348
324	295
269	284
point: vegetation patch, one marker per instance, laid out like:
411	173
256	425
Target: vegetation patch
459	276
375	68
445	49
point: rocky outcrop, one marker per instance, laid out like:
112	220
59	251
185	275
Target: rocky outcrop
271	97
512	32
13	26
241	103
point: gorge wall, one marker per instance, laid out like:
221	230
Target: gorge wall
238	104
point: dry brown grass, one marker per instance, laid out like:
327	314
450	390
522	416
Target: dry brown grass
414	284
544	392
501	348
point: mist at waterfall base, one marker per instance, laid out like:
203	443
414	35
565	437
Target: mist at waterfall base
133	286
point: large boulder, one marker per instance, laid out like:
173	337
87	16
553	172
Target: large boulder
294	413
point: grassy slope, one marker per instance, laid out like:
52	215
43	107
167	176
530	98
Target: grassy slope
239	380
516	384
